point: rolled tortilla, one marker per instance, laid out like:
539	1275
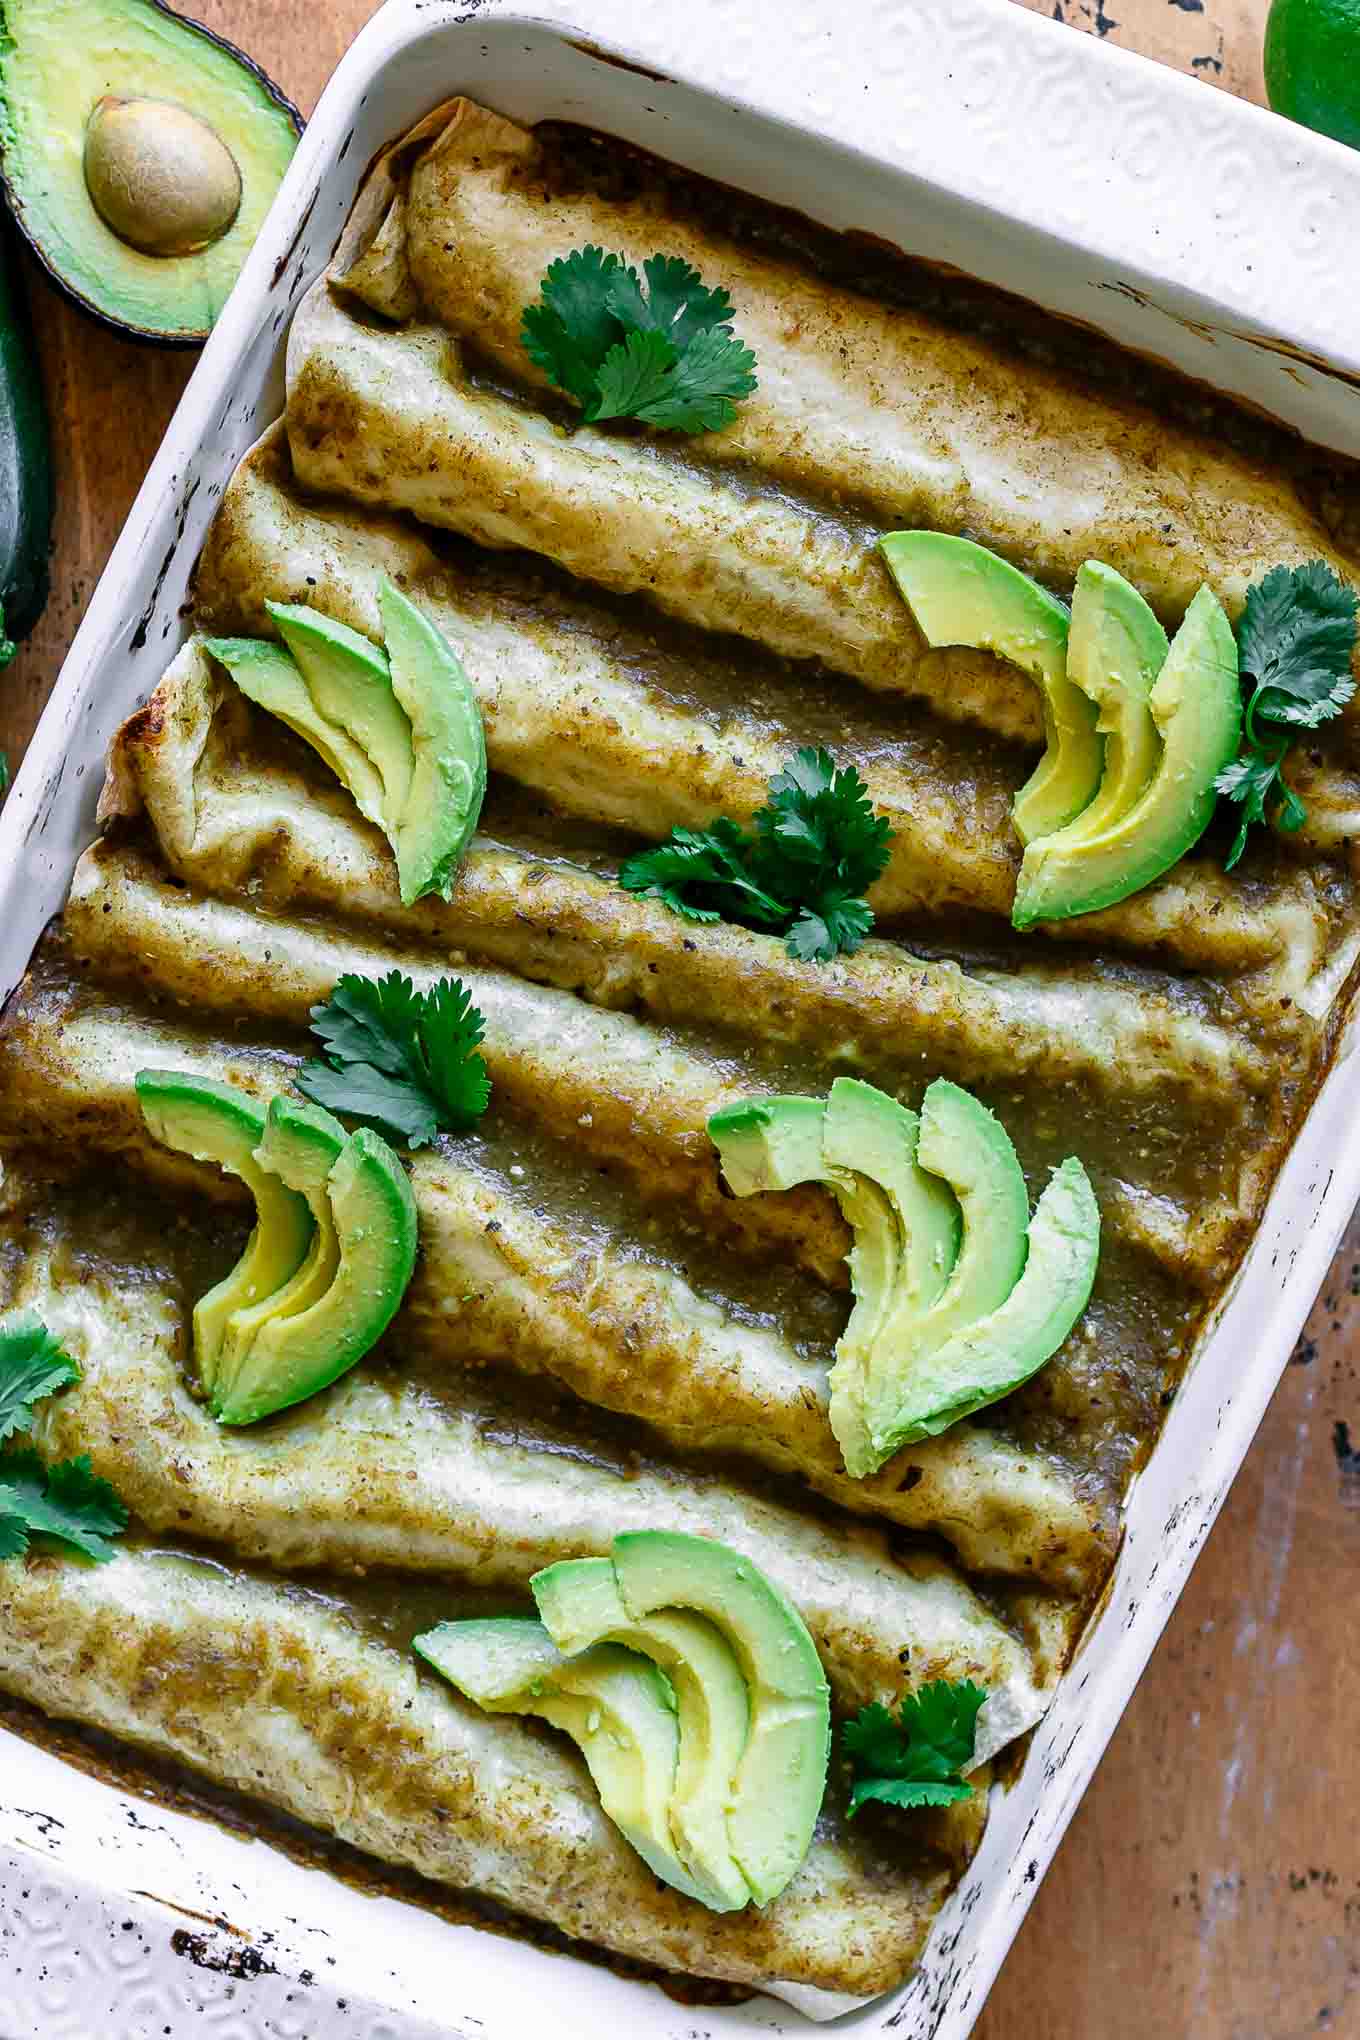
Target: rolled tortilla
582	707
609	1083
502	1280
346	1734
857	400
380	1475
229	818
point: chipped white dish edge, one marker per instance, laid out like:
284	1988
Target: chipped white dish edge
1180	222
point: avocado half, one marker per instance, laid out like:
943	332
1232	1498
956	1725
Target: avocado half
182	137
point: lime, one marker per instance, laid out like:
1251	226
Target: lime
1312	59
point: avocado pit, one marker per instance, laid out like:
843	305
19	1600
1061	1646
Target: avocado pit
159	177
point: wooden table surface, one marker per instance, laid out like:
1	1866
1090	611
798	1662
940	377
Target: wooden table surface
1210	1884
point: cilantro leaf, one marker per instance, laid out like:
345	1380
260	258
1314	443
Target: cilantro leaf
819	819
814	847
633	376
916	1759
32	1365
678	303
402	1061
665	354
571	329
1295	640
66	1501
701	392
4	775
703	874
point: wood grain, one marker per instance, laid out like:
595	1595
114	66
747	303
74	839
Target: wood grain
1210	1885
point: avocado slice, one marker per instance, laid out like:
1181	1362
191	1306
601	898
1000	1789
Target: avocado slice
581	1606
301	1144
905	1224
1196	705
125	100
961	594
1115	650
964	1144
448	783
781	1777
614	1704
214	1122
374	1210
350	682
266	674
988	1359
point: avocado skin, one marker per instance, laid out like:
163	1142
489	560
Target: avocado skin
169	335
25	461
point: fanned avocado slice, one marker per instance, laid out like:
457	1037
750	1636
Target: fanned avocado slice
580	1604
989	1359
375	1221
903	1184
300	1144
214	1122
963	1145
961	594
266	674
614	1704
1115	650
1196	704
350	682
781	1777
448	782
905	1224
141	154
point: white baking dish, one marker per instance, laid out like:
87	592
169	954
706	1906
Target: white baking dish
1182	223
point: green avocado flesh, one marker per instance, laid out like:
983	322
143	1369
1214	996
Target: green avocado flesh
448	781
1115	650
401	727
266	674
614	1704
58	59
904	1183
300	1145
580	1605
350	683
961	594
1195	703
374	1211
213	1122
781	1777
989	1359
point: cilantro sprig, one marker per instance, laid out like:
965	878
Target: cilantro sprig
813	850
668	357
402	1061
1295	639
917	1757
66	1501
32	1365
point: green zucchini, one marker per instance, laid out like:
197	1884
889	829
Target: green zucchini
25	465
